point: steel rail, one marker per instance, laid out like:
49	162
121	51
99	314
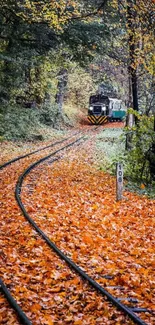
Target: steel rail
51	244
14	304
9	162
3	288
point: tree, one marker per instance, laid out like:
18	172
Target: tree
139	23
32	29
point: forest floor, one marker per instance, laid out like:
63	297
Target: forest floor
74	203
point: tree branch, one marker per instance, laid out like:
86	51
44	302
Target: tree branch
93	13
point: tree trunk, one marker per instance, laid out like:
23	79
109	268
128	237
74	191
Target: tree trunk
132	70
62	82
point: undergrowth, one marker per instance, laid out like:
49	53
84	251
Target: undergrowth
111	148
73	113
27	124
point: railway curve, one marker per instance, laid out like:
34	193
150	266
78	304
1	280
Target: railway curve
74	266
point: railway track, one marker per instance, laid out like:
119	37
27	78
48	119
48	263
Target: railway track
33	152
115	301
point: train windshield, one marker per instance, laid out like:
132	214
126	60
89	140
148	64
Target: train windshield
98	99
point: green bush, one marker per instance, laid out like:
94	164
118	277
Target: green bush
18	123
111	149
142	137
47	115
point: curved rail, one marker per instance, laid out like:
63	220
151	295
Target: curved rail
74	266
14	304
9	162
3	287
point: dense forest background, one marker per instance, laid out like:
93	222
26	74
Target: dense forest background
82	188
53	55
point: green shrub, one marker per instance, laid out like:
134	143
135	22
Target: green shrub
18	123
143	135
111	149
48	114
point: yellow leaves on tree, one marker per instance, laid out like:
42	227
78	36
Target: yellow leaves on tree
55	13
141	33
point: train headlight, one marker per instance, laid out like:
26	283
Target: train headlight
104	108
91	108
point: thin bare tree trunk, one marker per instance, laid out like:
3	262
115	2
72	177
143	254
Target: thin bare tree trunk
62	82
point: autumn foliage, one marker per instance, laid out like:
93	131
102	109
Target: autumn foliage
74	204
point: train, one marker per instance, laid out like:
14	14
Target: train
103	108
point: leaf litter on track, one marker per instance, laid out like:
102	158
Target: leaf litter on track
74	204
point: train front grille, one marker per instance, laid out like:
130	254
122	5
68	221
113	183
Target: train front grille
97	109
97	119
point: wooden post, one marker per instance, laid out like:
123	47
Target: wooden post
119	181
